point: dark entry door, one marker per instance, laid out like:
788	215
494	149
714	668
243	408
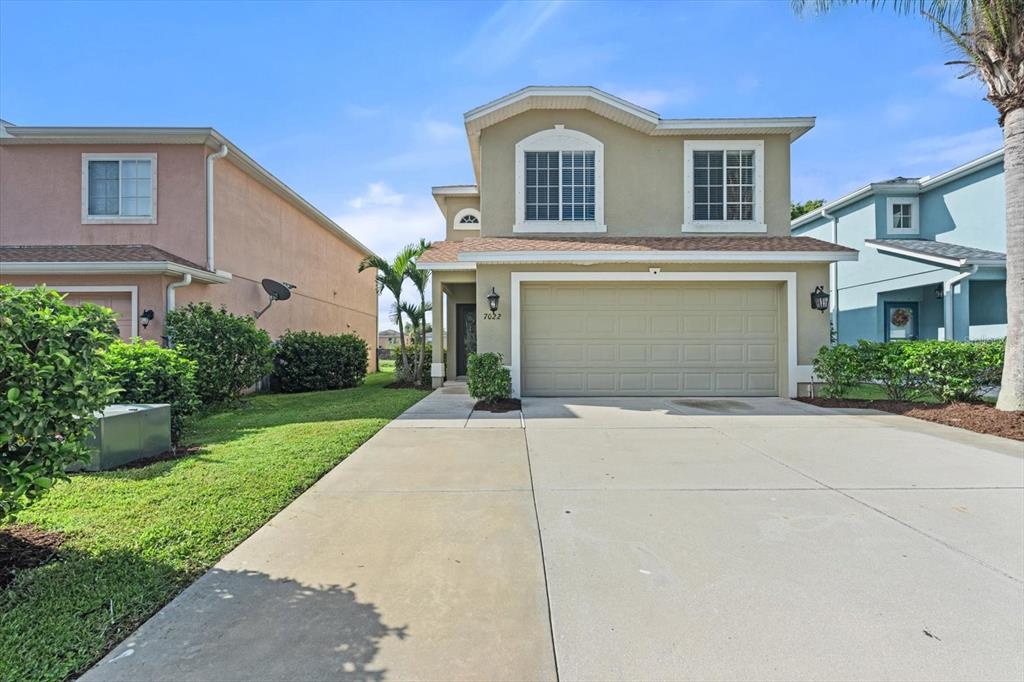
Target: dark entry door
465	335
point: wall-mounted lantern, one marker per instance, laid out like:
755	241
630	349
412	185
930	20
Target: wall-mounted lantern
492	300
146	317
819	299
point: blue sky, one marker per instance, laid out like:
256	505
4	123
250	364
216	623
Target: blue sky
359	106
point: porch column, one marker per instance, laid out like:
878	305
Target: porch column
437	324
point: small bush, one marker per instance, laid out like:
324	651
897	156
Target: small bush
888	365
311	361
230	351
412	352
839	368
957	370
147	373
53	381
489	380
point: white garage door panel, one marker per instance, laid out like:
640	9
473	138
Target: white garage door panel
671	338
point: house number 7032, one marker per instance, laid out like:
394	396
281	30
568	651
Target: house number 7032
492	316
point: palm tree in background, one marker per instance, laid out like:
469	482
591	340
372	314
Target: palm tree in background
989	36
421	280
390	278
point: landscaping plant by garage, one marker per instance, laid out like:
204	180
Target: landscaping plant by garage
53	381
146	373
230	351
490	382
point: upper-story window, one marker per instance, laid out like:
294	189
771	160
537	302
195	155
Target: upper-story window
559	182
119	188
902	215
467	219
724	186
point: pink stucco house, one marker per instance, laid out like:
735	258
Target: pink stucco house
143	219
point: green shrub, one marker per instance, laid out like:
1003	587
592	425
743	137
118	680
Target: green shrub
53	381
957	370
888	365
839	368
412	351
311	361
489	379
147	373
230	352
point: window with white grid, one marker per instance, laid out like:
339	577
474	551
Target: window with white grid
119	189
560	185
723	185
902	215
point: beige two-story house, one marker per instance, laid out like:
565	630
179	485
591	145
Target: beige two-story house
605	250
142	220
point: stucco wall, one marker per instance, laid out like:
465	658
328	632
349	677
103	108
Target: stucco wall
259	234
643	186
496	335
452	205
41	198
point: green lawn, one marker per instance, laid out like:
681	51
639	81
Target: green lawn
137	537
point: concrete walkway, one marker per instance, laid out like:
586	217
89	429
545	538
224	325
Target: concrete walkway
622	539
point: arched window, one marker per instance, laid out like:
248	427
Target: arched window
467	219
559	182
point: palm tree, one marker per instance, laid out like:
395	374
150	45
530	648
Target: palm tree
390	277
420	279
989	34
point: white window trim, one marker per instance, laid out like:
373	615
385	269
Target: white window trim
788	277
559	139
462	214
97	289
726	226
117	219
915	215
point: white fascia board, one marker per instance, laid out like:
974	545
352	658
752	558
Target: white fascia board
896	251
113	268
455	190
557	91
446	266
796	126
960	171
853	196
656	256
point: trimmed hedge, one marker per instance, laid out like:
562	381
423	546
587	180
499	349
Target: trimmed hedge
311	361
489	379
230	351
147	373
53	382
908	370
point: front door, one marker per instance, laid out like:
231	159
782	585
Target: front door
900	321
465	335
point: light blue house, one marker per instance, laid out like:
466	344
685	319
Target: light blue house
932	255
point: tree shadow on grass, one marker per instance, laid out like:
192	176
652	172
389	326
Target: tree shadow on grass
248	625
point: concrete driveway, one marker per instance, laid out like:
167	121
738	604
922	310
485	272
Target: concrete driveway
599	539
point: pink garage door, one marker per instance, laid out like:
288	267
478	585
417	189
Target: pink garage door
118	301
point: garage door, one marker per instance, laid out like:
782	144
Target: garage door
119	302
671	338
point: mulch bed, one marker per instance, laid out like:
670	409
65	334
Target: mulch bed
506	405
976	417
26	546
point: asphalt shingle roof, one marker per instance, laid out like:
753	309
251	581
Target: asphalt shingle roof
448	251
928	248
91	253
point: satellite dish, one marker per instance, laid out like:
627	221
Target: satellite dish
278	291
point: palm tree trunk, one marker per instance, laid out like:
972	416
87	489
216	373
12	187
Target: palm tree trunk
1011	393
423	333
401	342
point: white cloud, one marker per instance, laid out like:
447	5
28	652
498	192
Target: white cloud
947	78
386	226
506	33
442	131
951	150
377	194
649	99
654	98
899	112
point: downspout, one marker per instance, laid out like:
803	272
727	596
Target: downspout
186	279
210	159
947	300
833	276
